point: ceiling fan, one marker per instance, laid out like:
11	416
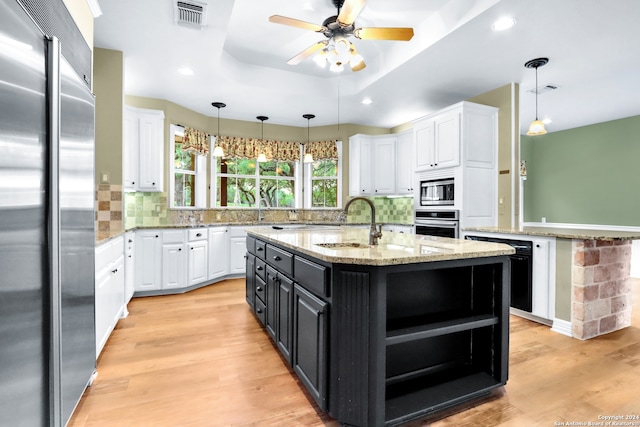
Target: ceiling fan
336	49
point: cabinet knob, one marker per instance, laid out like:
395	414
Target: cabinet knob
114	271
179	249
153	183
259	268
277	258
259	310
259	289
259	249
199	235
157	236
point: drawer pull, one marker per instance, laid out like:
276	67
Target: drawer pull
259	289
199	235
277	258
259	249
259	268
259	310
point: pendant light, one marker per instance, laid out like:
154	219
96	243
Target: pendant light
218	151
261	156
308	158
536	127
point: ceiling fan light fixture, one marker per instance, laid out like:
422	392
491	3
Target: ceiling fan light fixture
321	58
336	67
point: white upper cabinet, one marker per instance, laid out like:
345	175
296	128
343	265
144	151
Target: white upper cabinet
143	151
437	141
372	165
404	163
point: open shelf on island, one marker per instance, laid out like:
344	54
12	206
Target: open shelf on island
428	330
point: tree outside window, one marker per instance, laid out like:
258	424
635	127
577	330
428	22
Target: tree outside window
324	184
184	177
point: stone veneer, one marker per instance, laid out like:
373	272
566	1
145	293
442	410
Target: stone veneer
601	288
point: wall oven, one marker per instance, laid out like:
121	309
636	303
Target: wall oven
437	223
437	192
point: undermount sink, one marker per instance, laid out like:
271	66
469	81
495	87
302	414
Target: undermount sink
343	245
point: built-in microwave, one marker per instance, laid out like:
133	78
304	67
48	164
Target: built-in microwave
437	192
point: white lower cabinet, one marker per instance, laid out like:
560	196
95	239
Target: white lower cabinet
237	250
148	260
174	259
218	252
198	256
109	289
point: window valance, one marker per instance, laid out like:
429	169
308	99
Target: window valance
249	148
322	150
195	141
283	151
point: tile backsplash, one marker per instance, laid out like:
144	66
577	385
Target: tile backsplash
151	210
109	208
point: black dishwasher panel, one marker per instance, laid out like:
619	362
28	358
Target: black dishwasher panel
521	270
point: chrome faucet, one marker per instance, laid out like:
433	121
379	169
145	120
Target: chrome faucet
376	230
266	203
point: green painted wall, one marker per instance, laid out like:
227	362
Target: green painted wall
586	175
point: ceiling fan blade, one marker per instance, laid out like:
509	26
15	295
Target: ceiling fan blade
278	19
307	52
379	33
350	11
358	67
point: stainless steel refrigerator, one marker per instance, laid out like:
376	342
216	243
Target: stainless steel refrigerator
47	238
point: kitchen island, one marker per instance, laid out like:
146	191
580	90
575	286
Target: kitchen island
380	335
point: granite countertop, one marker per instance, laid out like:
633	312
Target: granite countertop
392	248
563	233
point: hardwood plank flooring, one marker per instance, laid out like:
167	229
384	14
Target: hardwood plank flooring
201	359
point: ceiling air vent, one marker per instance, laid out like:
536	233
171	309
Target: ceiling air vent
543	89
190	13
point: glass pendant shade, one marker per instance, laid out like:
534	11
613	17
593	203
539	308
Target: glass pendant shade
218	151
262	158
536	128
308	158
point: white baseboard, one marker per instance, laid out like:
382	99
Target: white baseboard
562	327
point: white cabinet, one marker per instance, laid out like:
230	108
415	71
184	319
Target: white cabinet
148	260
174	259
543	276
143	151
218	252
437	141
405	178
237	250
129	266
398	228
109	289
198	256
372	165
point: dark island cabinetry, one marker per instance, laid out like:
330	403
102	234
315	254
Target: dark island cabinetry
379	345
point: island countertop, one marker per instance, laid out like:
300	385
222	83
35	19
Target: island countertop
349	246
563	233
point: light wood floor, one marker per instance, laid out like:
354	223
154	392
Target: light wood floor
201	359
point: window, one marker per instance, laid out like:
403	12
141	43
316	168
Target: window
188	178
324	184
323	178
240	184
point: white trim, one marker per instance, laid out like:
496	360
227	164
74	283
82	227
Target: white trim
562	327
598	227
515	162
96	10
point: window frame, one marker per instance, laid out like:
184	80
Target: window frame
308	178
199	173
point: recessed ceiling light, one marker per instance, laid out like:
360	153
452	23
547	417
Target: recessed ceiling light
503	23
185	71
367	101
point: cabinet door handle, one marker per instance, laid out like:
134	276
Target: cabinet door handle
153	183
277	258
114	271
157	236
179	249
259	249
259	310
198	234
259	268
259	289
